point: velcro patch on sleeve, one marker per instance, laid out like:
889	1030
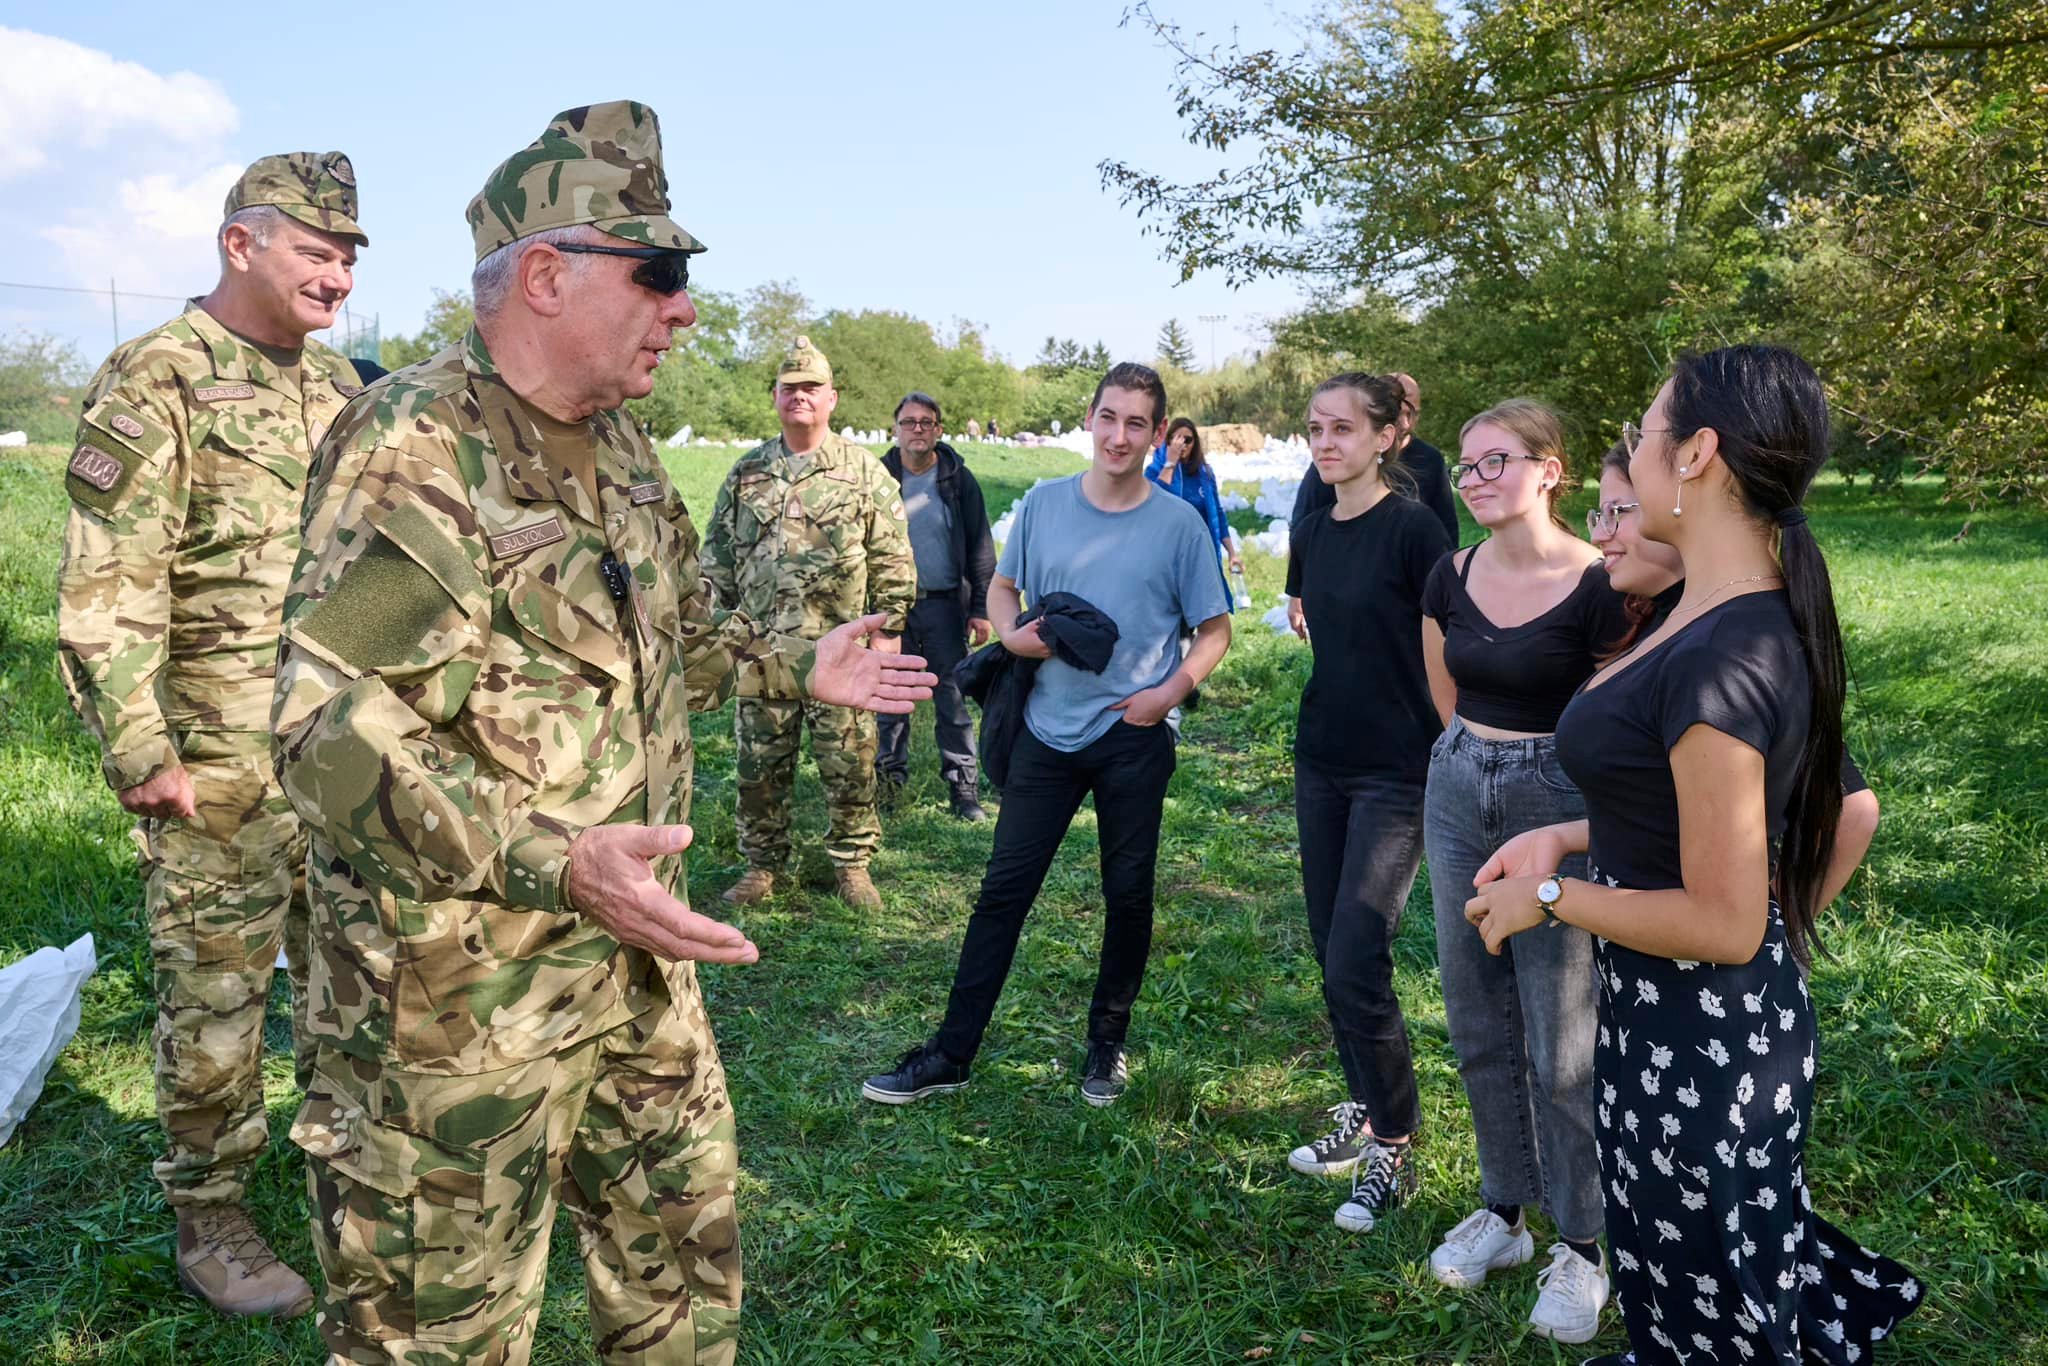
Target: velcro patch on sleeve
380	610
115	440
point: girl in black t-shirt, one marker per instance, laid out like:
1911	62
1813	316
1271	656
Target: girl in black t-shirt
1653	578
1511	628
1709	756
1361	748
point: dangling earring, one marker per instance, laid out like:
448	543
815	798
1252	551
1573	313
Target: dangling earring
1678	499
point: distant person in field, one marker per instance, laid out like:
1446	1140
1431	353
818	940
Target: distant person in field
974	429
1181	468
1129	551
1423	462
956	559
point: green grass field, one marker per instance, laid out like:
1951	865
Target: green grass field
1010	1223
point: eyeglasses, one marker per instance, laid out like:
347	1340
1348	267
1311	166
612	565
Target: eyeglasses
1602	520
1632	436
1489	467
662	269
918	424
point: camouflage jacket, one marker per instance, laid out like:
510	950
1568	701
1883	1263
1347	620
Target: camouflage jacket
479	661
806	542
184	524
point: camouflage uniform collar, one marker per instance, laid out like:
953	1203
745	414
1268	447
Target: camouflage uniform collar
831	453
236	359
532	473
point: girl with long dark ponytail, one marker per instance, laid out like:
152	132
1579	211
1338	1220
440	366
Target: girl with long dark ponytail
1710	756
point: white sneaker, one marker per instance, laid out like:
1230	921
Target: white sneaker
1337	1151
1572	1292
1483	1242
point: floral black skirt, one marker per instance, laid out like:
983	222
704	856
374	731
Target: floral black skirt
1704	1076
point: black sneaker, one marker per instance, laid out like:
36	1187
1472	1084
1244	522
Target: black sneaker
1107	1075
1337	1151
1384	1177
967	804
924	1071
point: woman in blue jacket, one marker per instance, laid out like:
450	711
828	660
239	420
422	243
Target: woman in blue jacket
1179	466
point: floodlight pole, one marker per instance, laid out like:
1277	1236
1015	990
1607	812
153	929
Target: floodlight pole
1212	319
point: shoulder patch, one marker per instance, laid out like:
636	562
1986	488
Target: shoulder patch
115	440
97	468
221	393
379	611
348	390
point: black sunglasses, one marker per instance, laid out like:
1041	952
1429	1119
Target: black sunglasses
662	269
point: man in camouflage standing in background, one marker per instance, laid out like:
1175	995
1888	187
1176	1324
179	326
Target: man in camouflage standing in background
808	532
490	646
185	490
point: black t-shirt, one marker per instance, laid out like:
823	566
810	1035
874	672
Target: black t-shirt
1738	668
1422	461
1366	708
1853	780
1520	677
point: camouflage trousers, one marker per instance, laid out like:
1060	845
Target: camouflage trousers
434	1197
765	736
224	891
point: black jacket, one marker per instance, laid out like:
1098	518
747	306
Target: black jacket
1000	682
974	549
1432	487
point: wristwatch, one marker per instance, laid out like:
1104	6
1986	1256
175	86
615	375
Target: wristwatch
1549	892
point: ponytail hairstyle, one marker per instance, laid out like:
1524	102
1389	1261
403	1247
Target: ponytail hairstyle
1637	608
1379	398
1197	461
1538	427
1771	414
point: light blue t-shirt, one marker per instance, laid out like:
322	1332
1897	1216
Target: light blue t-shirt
1151	570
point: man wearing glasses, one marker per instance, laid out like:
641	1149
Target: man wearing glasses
956	558
491	642
808	532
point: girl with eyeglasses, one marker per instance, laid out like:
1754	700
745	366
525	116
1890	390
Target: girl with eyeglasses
1361	750
1709	756
1511	628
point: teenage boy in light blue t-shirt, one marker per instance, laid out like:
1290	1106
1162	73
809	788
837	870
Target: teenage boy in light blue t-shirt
1142	557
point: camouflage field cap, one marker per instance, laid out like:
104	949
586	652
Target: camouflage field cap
804	363
316	188
600	164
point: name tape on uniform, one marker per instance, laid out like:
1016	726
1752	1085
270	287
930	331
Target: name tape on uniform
649	492
221	393
527	538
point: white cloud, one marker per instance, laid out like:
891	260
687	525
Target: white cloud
158	240
56	95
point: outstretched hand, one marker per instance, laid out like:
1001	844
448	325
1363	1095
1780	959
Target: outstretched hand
846	673
611	880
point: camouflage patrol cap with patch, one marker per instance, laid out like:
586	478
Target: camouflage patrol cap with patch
316	188
600	164
804	363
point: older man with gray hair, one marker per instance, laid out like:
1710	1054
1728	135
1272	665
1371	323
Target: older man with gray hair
184	523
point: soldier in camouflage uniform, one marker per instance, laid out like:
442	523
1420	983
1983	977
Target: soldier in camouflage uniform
490	644
184	524
808	532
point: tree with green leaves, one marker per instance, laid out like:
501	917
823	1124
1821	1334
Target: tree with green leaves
1174	347
448	322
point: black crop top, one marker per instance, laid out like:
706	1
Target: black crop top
1739	668
1520	677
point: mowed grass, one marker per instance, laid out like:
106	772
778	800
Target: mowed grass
1010	1223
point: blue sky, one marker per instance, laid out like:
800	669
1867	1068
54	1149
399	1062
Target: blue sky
938	159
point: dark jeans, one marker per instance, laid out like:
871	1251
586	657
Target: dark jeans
1127	770
937	629
1523	1023
1361	842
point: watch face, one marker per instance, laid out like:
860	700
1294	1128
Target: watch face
1549	890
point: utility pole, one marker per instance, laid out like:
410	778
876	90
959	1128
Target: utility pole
1212	319
114	296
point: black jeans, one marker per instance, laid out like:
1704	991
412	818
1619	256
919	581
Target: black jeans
1127	770
937	629
1361	842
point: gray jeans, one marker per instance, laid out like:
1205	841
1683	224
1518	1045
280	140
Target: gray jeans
1523	1024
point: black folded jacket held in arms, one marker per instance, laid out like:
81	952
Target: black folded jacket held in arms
999	681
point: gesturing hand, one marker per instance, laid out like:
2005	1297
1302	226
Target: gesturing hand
611	880
166	795
846	674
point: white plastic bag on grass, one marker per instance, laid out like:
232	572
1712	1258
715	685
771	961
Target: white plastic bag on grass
39	1002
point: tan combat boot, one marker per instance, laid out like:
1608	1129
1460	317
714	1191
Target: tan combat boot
223	1260
753	889
856	888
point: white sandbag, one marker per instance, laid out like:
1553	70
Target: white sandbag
39	1004
13	438
1276	619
